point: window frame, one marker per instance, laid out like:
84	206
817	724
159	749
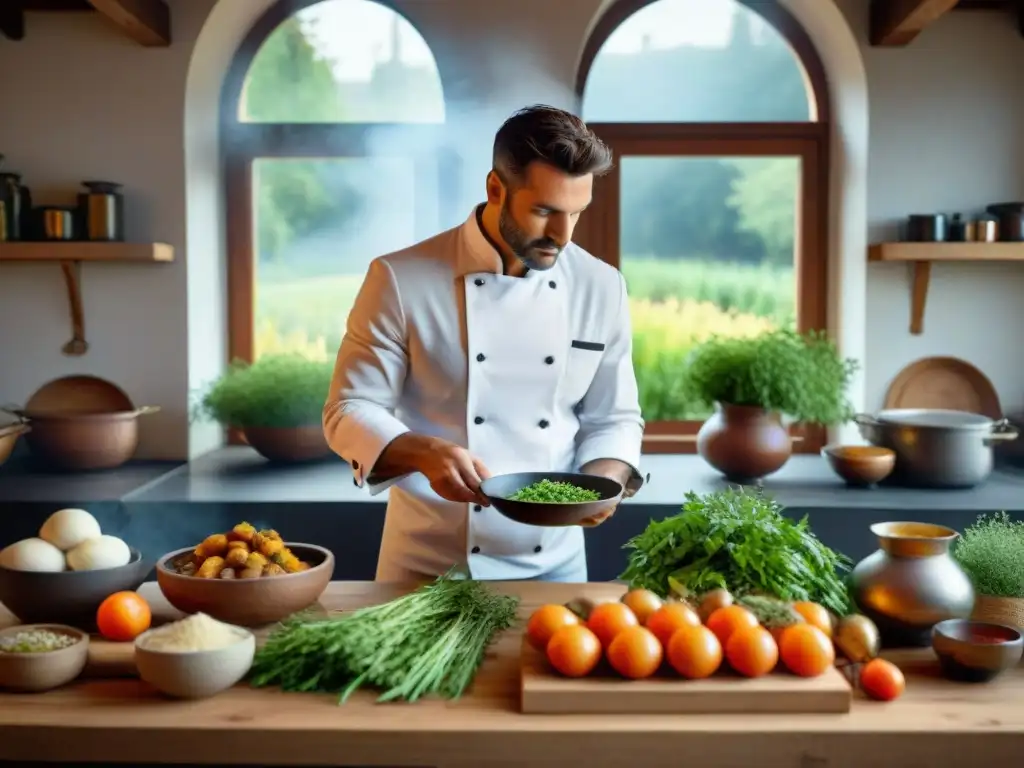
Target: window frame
598	231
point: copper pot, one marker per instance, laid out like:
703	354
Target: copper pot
744	442
82	423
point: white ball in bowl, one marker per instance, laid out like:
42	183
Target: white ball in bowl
101	552
32	555
67	528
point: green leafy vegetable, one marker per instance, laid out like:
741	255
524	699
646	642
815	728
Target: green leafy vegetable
430	641
552	492
275	391
800	375
740	541
991	552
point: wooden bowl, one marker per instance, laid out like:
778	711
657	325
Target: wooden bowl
67	597
498	489
248	602
195	674
975	651
37	672
860	465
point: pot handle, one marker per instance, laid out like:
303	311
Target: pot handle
865	420
147	409
1002	432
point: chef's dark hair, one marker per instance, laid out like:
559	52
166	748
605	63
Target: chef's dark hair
552	136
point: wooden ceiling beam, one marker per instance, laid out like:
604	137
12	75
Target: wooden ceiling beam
897	22
147	22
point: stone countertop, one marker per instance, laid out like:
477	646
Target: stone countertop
22	481
236	474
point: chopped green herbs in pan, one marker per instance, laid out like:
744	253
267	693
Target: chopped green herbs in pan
552	492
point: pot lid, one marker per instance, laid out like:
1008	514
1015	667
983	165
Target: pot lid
936	418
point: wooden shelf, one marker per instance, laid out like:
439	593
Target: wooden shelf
920	257
58	250
70	255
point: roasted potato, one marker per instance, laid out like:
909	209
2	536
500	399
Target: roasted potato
211	568
242	532
251	573
236	558
212	546
228	573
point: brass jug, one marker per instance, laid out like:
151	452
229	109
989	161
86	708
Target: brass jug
911	583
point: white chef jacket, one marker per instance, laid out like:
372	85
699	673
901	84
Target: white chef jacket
529	373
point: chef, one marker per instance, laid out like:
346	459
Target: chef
498	346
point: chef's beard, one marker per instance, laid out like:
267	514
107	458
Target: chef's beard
526	250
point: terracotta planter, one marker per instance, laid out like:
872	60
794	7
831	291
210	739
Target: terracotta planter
1008	611
288	444
744	442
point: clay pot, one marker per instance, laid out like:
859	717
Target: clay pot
288	445
744	442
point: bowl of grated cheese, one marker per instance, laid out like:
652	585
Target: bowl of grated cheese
195	657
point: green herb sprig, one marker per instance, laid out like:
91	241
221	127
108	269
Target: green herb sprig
800	375
275	391
991	552
430	641
737	540
554	492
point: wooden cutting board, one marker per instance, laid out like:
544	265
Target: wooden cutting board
109	659
544	691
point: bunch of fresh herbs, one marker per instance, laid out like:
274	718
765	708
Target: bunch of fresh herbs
430	641
275	391
800	375
991	552
737	540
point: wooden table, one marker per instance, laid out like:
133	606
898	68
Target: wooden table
936	723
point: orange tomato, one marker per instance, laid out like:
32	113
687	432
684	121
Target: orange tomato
882	680
694	652
816	615
642	602
752	651
608	619
806	651
726	621
123	616
635	653
574	650
547	620
671	616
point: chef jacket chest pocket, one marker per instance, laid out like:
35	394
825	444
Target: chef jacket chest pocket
581	366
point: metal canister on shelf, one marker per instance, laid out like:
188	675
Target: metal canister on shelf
101	210
11	216
986	230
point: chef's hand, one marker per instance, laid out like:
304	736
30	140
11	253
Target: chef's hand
454	473
613	469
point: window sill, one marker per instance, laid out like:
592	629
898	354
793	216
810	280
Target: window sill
237	475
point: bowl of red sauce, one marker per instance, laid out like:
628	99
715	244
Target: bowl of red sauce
976	651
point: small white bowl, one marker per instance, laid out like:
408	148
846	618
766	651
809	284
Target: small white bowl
38	672
195	674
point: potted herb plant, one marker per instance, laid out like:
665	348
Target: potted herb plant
991	553
752	382
277	403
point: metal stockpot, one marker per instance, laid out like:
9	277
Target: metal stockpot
937	448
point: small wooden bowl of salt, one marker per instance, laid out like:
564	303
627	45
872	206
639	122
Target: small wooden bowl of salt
194	658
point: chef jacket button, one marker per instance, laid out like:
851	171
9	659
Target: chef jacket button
552	284
543	424
355	482
475	550
355	464
537	548
478	420
478	281
480	358
477	507
549	360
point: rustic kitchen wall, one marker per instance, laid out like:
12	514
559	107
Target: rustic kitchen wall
946	115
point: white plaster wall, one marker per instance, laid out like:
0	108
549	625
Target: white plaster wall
945	117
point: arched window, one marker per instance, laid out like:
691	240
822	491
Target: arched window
321	108
717	111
